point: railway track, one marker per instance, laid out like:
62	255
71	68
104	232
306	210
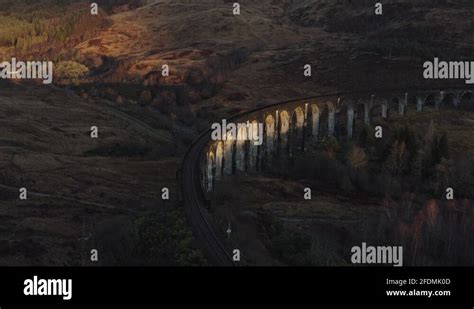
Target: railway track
195	203
194	199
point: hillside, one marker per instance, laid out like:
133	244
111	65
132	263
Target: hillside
223	59
218	59
82	192
108	73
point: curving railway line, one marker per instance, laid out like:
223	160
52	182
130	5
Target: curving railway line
195	202
193	193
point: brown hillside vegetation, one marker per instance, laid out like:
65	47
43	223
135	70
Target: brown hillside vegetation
259	55
105	193
253	58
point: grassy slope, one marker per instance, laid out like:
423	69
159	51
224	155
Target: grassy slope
46	147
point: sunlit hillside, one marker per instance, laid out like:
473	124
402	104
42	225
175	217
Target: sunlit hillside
108	73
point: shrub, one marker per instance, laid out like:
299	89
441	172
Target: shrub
70	71
330	145
164	238
357	157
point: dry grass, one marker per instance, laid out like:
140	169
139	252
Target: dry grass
44	142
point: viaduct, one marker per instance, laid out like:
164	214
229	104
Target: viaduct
289	127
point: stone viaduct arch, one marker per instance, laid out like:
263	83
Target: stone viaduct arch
253	148
229	147
296	130
312	122
270	135
288	127
219	160
210	171
283	130
241	149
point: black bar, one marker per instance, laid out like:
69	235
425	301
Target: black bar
239	285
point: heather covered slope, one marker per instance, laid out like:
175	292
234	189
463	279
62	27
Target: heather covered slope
239	61
224	59
83	191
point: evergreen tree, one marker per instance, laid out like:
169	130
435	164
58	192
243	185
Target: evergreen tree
417	164
443	146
